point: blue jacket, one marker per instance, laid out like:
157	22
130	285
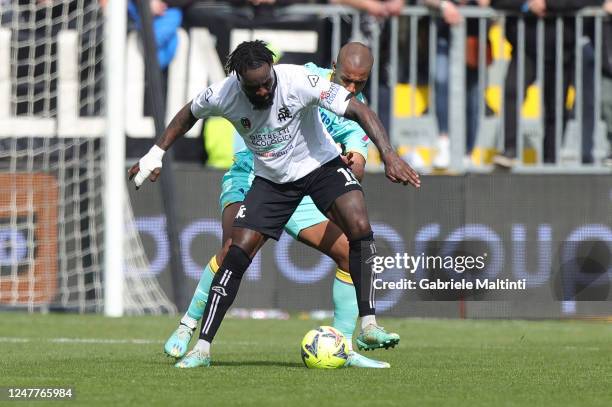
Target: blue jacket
164	27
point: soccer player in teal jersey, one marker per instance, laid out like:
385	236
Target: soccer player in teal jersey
307	224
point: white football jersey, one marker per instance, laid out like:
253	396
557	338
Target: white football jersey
288	140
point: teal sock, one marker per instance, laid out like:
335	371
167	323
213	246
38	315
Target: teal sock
200	296
345	308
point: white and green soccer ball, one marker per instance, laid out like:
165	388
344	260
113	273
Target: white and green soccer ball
324	348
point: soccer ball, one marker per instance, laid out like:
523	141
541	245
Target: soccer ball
324	348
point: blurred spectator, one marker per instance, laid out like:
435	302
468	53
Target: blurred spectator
375	24
259	7
264	8
260	2
167	17
533	9
376	8
449	10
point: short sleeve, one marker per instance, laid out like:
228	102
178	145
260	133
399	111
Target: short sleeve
357	142
314	90
206	103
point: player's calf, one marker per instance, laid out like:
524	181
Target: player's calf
177	343
360	259
360	267
223	291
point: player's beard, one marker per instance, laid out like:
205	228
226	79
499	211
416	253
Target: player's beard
264	104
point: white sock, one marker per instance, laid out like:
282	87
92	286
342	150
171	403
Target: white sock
203	346
367	320
188	321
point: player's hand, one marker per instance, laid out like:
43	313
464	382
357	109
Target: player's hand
538	7
348	159
394	7
148	166
450	13
607	6
376	8
397	170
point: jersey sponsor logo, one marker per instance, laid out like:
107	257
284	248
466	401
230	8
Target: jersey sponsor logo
284	113
241	212
246	123
208	94
271	140
274	154
330	94
219	290
328	121
313	79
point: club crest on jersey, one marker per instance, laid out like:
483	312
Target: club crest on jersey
313	79
284	114
330	94
246	123
349	176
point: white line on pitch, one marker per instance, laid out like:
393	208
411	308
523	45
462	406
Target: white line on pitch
80	340
11	339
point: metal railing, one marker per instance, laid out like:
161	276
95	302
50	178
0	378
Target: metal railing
569	136
402	83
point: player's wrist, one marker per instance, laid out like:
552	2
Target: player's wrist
157	152
387	155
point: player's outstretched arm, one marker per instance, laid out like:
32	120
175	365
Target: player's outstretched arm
149	166
396	169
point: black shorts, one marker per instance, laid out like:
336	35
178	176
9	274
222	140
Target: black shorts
268	206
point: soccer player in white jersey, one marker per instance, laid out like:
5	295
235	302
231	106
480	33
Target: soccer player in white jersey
275	110
307	224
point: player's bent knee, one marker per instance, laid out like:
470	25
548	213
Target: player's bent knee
237	261
358	229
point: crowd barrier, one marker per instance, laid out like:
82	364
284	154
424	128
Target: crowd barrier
412	95
402	86
557	241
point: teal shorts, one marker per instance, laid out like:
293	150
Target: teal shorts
236	183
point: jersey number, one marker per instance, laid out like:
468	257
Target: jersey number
350	177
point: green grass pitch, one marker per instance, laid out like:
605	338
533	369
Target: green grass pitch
114	362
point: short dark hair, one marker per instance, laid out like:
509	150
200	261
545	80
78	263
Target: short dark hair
248	55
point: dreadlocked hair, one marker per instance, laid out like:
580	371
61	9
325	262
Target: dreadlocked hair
248	55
